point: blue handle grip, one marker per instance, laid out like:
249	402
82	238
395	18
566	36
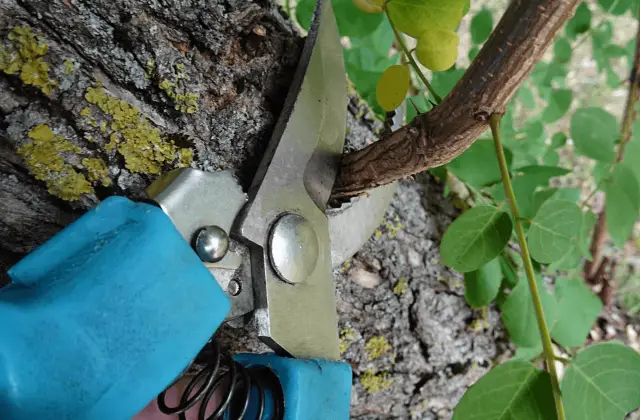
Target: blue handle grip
102	317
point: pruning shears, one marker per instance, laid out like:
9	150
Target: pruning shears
104	317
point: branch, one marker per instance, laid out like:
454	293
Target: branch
599	237
433	139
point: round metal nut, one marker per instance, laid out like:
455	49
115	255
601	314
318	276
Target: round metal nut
293	248
212	243
234	288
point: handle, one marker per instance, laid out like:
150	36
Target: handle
104	316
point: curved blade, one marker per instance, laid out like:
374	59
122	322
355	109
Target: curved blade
296	176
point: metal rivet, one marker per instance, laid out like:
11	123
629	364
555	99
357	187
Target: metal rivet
234	288
293	248
212	244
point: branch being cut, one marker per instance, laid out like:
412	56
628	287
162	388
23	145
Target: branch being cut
435	138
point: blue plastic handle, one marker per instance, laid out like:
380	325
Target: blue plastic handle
104	316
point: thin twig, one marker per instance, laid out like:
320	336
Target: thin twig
545	336
599	236
412	61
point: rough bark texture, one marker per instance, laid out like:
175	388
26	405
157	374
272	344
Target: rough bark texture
435	138
238	57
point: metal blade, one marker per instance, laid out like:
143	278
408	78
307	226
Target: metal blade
298	316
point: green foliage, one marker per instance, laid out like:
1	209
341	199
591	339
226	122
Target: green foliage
553	230
594	132
513	390
622	203
481	26
519	316
603	382
578	308
475	238
550	120
482	286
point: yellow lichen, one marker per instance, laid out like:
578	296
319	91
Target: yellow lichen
377	347
347	337
186	102
373	382
140	143
68	66
401	287
44	157
24	55
98	170
85	112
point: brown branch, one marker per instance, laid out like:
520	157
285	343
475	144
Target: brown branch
599	236
433	139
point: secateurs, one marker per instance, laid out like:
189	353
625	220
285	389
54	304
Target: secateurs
109	312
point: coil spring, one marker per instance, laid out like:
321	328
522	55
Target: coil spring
237	380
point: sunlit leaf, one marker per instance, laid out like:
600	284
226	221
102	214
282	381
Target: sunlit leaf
437	49
413	17
393	87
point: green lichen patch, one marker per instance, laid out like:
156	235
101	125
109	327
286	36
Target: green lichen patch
44	158
132	135
186	102
377	347
68	67
375	382
23	55
401	287
98	170
347	337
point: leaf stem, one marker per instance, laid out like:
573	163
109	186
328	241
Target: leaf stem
547	347
412	61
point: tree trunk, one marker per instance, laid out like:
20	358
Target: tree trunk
208	79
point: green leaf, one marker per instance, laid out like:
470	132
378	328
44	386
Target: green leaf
594	132
562	50
578	309
444	81
352	22
551	157
475	238
528	353
615	7
580	22
525	96
573	259
553	230
542	195
473	52
481	26
558	140
513	390
478	165
482	286
622	202
413	17
437	49
525	185
559	104
519	316
602	383
508	271
419	101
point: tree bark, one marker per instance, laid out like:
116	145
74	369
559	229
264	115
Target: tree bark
435	138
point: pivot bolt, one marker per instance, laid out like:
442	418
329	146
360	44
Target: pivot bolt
293	248
212	243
